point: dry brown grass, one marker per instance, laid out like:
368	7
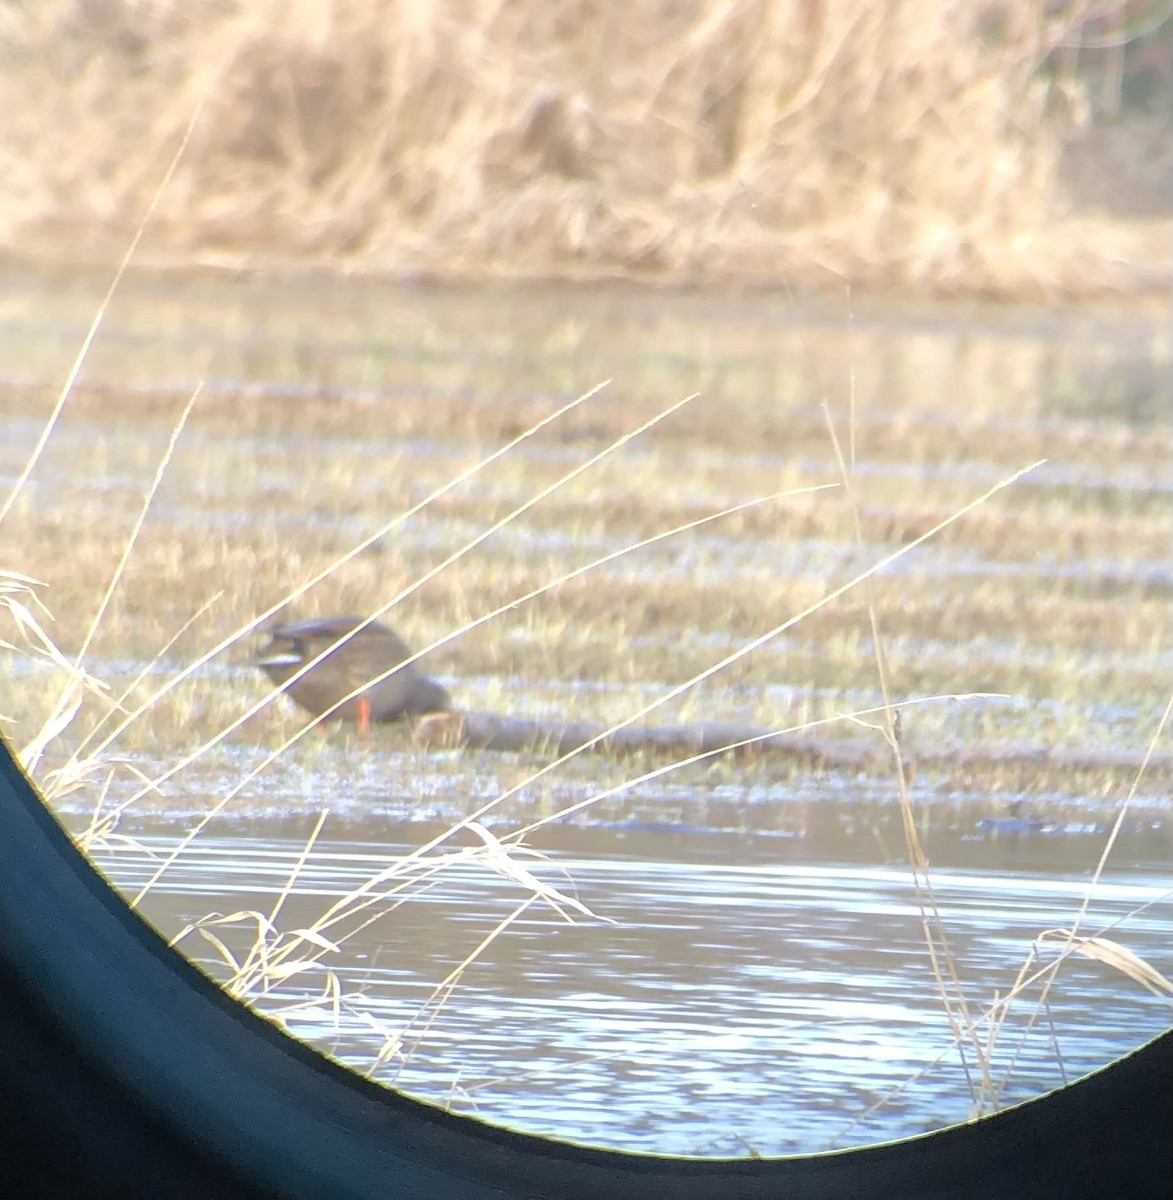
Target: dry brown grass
885	145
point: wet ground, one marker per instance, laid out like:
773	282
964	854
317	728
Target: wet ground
765	923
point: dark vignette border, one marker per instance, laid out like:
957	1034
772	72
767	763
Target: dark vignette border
125	1072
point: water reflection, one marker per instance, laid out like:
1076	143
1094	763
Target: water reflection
734	1007
307	336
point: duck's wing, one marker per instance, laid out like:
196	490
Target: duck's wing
330	628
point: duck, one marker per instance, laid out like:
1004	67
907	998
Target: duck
1015	822
372	651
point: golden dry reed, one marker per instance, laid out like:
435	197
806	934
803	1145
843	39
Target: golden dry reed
879	143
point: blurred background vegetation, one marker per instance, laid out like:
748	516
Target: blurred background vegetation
1018	148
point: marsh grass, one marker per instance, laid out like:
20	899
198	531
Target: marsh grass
975	1032
607	626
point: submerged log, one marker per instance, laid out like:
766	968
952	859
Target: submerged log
497	731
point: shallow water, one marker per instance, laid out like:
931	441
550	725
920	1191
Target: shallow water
765	984
301	336
753	995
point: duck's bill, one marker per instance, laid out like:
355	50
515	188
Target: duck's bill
279	658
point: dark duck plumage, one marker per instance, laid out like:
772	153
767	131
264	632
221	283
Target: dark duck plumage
358	661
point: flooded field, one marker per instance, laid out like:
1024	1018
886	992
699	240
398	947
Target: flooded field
714	1000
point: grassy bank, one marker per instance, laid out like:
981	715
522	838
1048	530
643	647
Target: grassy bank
892	145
